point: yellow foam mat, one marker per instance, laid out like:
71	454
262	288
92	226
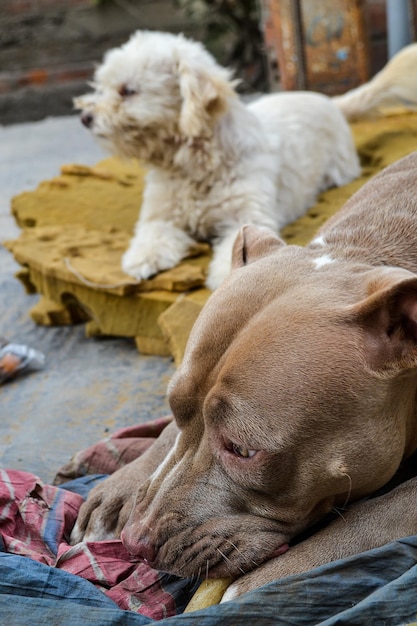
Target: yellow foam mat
76	226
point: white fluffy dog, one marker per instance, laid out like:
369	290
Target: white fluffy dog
215	163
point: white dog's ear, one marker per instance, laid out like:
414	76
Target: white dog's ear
205	96
253	243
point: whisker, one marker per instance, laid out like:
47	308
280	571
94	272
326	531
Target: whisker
336	510
349	492
227	561
199	573
240	552
185	564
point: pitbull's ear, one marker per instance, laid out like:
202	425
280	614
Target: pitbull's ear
389	320
253	243
205	96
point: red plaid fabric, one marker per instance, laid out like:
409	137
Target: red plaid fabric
36	521
112	453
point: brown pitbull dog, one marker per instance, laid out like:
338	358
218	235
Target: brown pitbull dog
296	396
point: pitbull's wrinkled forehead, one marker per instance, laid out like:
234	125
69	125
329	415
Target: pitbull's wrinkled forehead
266	348
279	291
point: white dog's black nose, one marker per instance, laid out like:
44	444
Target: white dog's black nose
87	119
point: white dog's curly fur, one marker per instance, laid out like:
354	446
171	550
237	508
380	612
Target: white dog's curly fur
215	163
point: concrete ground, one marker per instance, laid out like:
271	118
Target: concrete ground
89	387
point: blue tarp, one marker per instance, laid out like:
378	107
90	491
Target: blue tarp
375	588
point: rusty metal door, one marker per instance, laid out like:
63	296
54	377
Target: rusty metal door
319	45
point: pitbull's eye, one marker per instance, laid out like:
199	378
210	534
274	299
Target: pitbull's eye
125	91
241	451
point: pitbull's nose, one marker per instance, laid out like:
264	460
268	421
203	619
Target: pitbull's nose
87	119
138	544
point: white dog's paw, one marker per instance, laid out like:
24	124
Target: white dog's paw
142	267
215	278
221	264
157	246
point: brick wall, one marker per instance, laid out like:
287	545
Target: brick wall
48	48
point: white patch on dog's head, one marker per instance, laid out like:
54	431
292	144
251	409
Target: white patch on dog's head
154	95
326	259
318	241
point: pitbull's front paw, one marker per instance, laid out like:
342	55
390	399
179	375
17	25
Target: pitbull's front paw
294	561
107	508
157	246
109	504
236	589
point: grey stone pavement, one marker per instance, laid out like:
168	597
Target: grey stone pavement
89	387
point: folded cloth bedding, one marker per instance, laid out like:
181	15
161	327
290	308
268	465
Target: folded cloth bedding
45	580
36	520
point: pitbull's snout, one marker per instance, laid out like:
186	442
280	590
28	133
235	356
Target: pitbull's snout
137	542
87	119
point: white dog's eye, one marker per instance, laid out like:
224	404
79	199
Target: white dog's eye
125	91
